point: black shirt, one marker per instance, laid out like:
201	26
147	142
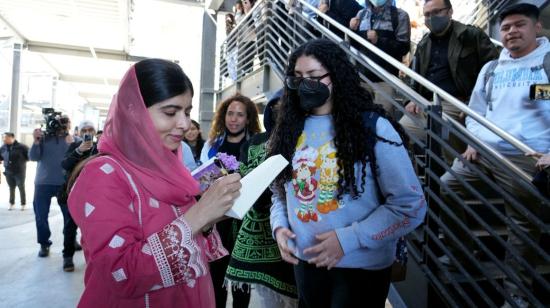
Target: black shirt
439	71
232	148
229	228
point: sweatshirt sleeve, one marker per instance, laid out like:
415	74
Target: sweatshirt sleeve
478	102
204	152
278	217
404	207
104	203
188	159
35	153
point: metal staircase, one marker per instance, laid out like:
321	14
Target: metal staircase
257	69
482	11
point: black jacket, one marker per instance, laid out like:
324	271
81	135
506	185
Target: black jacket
72	157
343	10
15	158
469	49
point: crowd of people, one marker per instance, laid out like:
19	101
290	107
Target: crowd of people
325	233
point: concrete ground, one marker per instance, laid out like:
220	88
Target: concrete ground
27	280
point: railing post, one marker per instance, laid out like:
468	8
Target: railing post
433	148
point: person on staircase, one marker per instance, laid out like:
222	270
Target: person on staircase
502	96
450	56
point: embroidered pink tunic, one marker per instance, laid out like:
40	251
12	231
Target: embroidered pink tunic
138	254
129	203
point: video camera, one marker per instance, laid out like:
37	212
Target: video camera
54	121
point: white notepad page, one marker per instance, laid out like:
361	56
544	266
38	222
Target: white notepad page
254	184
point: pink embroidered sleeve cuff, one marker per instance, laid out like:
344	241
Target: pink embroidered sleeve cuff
214	247
177	255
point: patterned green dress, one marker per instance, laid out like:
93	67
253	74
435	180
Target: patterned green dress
255	259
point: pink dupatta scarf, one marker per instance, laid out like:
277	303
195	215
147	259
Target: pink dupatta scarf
130	137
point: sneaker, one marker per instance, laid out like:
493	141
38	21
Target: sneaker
518	301
77	246
68	265
44	251
11	207
22	207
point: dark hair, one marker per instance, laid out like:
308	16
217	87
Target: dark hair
447	3
160	80
525	9
99	132
350	100
9	134
230	23
200	140
218	125
198	126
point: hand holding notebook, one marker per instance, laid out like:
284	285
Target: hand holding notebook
253	184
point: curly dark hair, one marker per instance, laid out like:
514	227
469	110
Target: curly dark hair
218	125
353	141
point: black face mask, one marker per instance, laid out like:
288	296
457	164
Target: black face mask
438	24
313	98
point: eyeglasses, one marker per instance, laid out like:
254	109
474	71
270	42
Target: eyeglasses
311	83
435	12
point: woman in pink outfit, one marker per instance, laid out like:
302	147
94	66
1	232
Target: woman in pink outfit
143	233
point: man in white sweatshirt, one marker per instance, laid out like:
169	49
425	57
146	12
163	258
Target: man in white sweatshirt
501	95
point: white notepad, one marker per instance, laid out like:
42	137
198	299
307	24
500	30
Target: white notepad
254	184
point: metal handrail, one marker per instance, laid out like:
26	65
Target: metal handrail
481	18
526	177
283	32
438	92
424	82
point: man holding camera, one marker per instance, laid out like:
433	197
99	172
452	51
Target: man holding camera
15	157
48	149
77	152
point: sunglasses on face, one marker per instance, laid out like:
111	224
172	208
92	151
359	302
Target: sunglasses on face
311	83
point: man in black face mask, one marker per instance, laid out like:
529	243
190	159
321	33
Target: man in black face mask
450	56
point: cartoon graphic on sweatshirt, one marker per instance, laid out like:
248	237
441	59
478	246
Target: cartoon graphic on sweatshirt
304	183
328	181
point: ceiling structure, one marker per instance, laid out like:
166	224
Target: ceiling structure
91	43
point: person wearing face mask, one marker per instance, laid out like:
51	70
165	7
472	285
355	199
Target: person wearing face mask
450	56
235	121
350	191
255	259
239	11
388	28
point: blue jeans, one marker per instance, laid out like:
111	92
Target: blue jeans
41	204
